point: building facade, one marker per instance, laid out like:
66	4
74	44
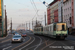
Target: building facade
68	15
74	13
2	18
48	16
56	15
52	12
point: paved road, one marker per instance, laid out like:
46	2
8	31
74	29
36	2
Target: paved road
35	42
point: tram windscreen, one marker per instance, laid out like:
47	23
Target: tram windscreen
61	27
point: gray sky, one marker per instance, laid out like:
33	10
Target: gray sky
24	10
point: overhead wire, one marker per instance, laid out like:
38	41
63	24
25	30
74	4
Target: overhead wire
35	8
20	3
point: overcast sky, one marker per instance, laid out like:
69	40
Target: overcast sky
24	10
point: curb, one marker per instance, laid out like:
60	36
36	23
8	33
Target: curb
3	37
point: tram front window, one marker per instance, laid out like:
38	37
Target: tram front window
61	27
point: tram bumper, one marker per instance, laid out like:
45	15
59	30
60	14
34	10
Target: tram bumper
61	35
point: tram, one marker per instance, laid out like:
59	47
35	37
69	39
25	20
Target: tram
55	30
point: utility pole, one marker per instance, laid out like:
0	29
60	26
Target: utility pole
45	18
26	25
61	11
11	25
32	24
36	21
29	25
5	21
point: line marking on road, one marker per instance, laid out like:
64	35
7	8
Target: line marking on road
48	45
27	44
65	45
22	44
5	40
6	45
45	41
6	48
31	47
36	45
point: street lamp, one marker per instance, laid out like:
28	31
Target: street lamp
45	12
45	3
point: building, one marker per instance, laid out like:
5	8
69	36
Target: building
2	18
74	12
68	13
48	15
52	12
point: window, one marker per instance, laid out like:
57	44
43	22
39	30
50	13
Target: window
70	8
64	4
50	28
64	15
68	15
61	27
70	20
54	27
66	9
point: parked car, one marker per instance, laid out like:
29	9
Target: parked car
17	38
23	35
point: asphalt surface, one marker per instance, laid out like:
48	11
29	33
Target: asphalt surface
37	42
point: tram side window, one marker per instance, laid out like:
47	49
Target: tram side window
44	28
54	27
41	29
47	28
37	29
50	28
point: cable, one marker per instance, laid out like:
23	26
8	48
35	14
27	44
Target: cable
34	4
20	3
40	1
34	8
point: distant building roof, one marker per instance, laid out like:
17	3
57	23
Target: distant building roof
53	2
